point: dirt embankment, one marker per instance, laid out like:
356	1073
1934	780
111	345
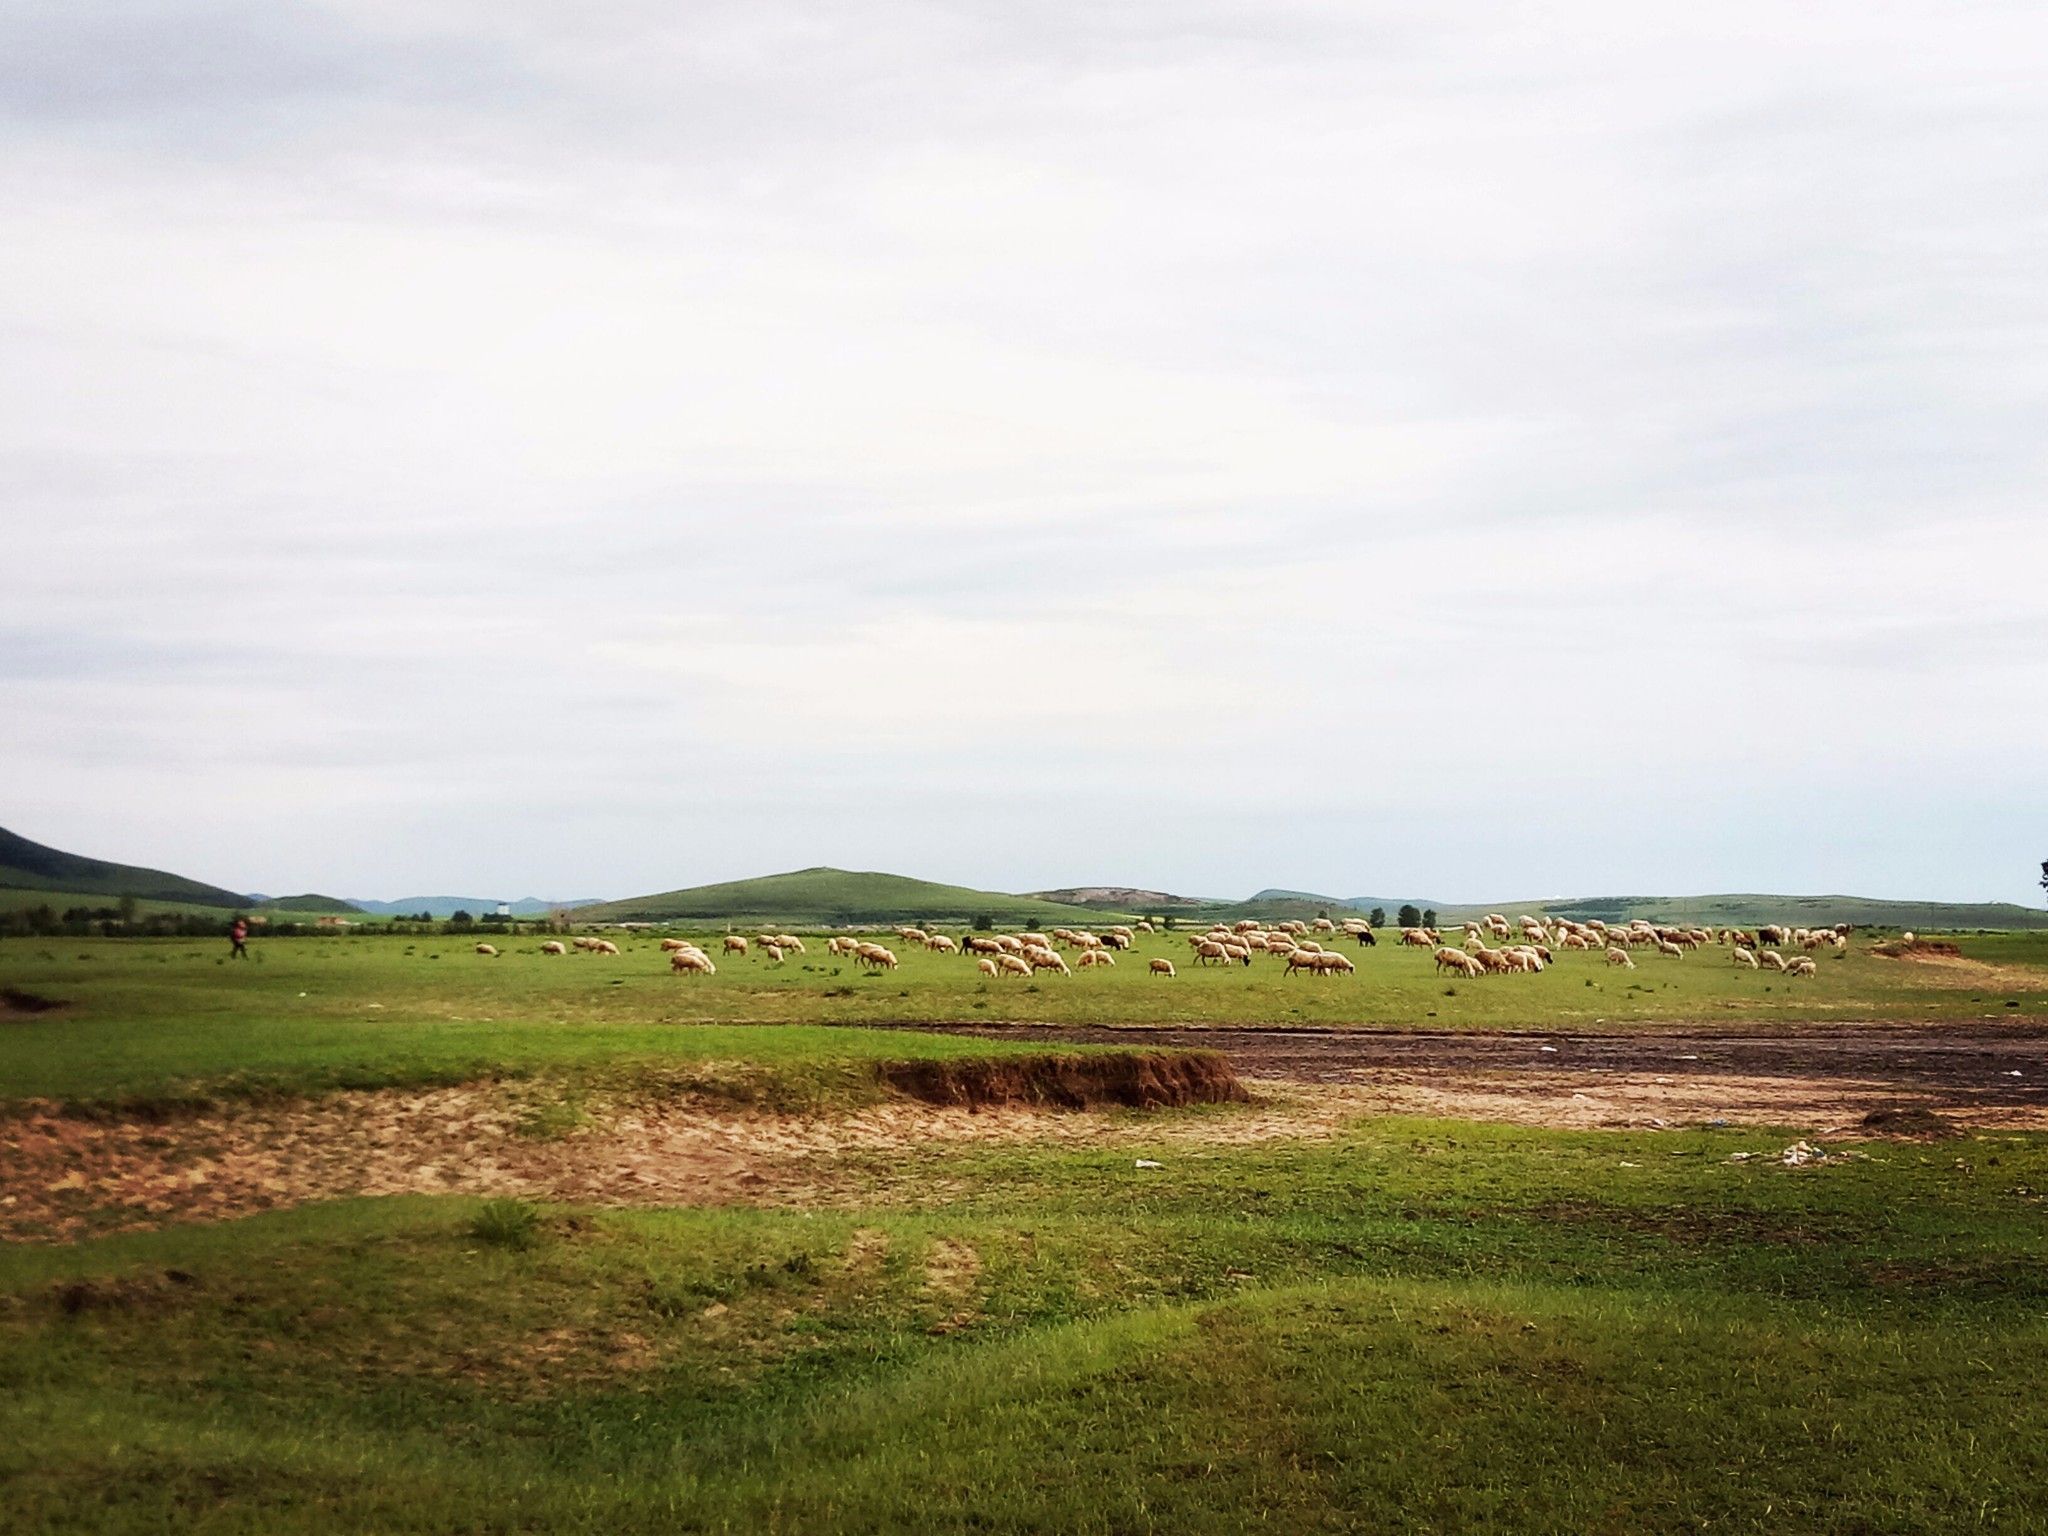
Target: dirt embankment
1128	1079
64	1176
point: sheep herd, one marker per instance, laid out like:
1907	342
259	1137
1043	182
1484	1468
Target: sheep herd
1489	946
1541	940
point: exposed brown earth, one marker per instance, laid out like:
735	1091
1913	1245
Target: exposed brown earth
62	1177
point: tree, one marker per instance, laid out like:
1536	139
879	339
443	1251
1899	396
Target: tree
1377	917
1409	917
128	908
1429	917
2044	874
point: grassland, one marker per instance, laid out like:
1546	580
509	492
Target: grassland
1418	1326
1407	1326
175	1017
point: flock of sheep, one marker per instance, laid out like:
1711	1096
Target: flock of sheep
1527	946
1541	940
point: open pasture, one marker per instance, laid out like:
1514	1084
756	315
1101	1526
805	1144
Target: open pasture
160	1016
1414	1326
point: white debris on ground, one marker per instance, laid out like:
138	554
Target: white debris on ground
1801	1154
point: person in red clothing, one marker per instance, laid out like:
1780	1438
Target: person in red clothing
239	936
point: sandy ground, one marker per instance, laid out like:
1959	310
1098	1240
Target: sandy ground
63	1177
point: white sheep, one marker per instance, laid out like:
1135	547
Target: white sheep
487	949
1744	956
737	945
1161	968
1013	965
1616	955
988	967
554	947
691	962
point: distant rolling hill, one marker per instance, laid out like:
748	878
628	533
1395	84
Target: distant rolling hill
834	897
475	906
29	866
331	906
1122	898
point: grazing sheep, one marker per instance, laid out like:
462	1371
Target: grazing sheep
736	945
487	949
940	944
978	946
773	952
1040	958
603	947
1666	947
1207	950
1327	962
677	944
691	962
554	947
1803	966
1907	936
1013	965
1095	957
1743	956
988	967
1116	940
789	943
1616	955
1772	958
875	957
1161	968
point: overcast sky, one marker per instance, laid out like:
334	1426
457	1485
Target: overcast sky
1473	451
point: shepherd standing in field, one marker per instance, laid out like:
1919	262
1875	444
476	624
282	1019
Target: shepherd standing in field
238	935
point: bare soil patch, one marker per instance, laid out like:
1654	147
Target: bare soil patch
1819	1079
62	1177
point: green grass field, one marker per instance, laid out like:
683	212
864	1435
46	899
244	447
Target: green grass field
1412	1326
1420	1326
174	1016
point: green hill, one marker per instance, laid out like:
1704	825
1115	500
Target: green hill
28	866
311	902
836	897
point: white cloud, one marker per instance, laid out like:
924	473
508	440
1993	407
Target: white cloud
1205	446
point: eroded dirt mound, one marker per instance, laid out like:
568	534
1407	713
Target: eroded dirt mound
1899	949
1129	1079
14	1000
1911	1121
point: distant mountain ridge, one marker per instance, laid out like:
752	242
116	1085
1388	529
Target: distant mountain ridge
476	906
1121	898
26	865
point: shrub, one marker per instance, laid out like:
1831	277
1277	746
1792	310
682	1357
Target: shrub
507	1223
